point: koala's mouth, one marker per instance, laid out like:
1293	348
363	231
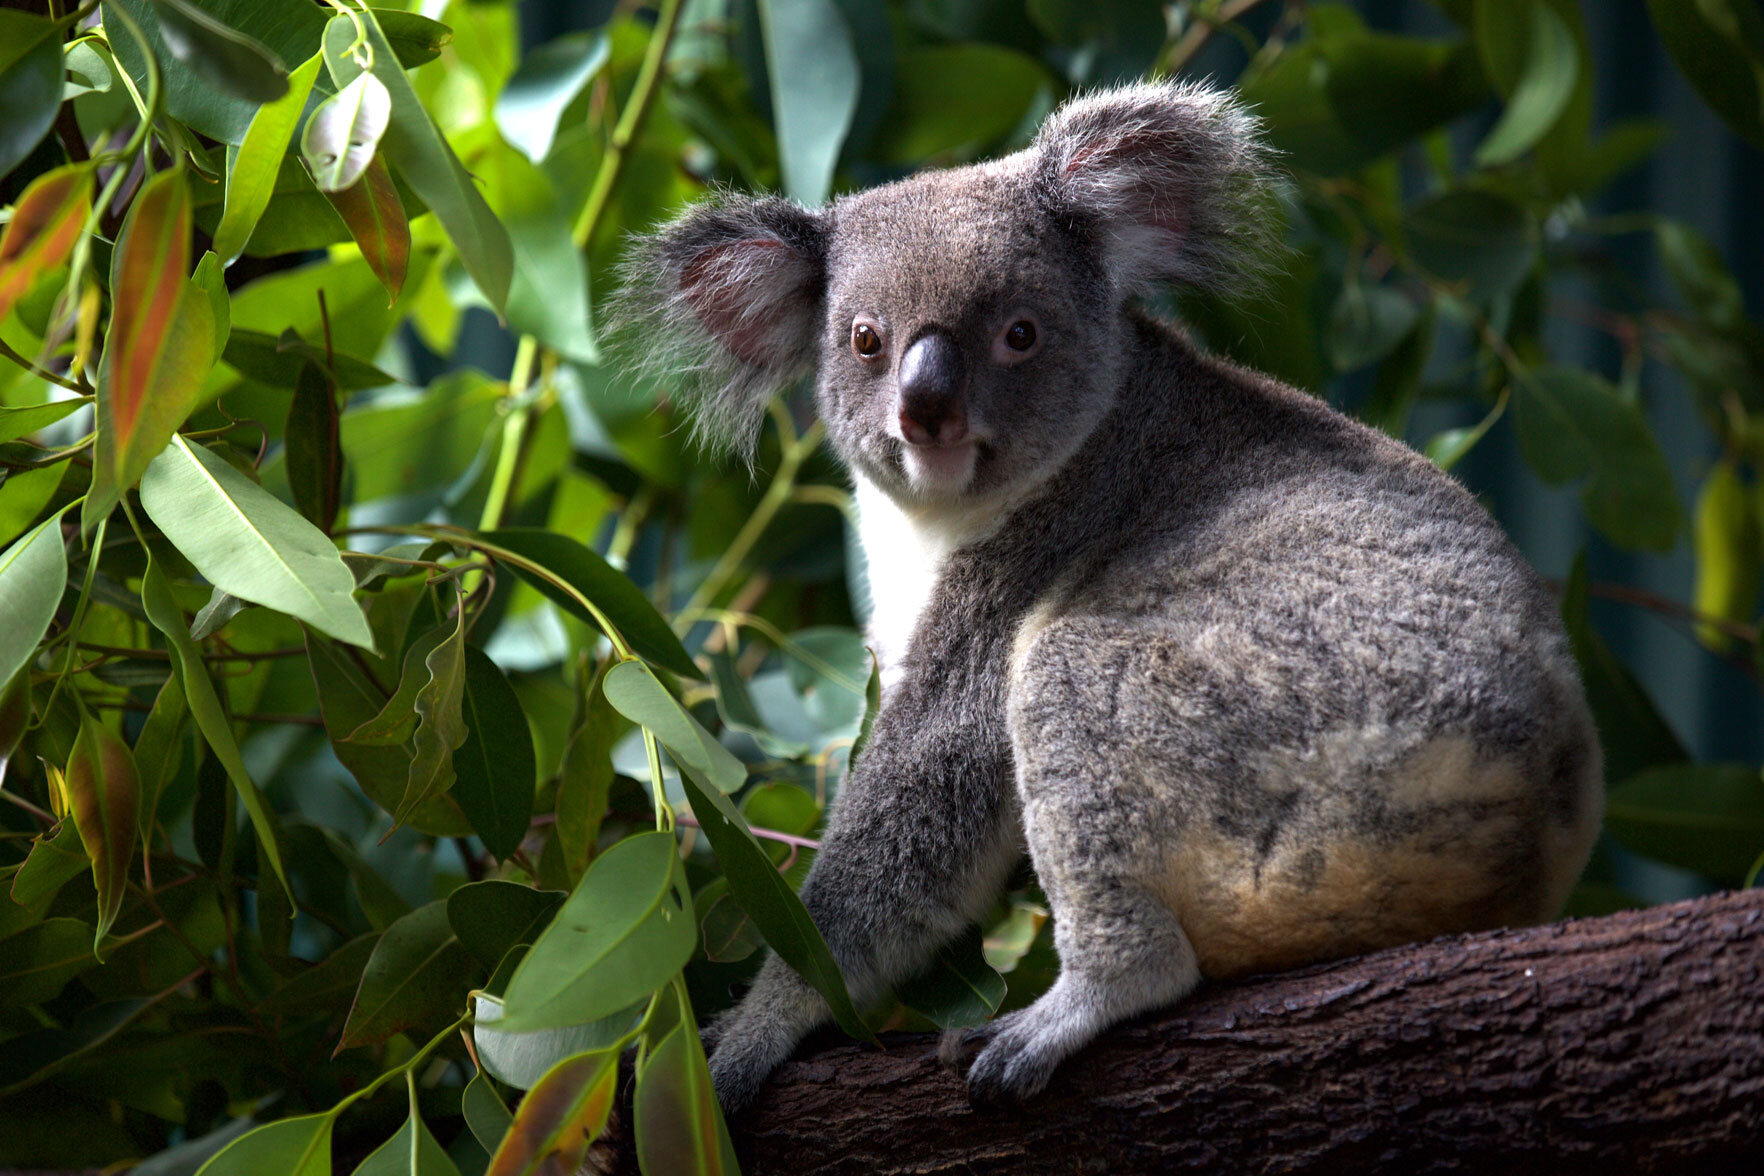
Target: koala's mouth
941	469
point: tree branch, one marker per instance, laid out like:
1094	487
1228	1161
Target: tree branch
1629	1043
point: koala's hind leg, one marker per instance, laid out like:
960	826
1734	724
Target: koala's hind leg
1098	848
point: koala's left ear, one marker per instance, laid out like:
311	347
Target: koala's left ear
726	300
1172	181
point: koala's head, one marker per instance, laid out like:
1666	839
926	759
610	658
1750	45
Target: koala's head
965	326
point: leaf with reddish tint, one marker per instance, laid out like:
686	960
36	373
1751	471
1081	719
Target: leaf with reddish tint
160	345
45	226
560	1117
103	790
375	216
677	1121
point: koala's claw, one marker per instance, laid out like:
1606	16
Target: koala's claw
1013	1066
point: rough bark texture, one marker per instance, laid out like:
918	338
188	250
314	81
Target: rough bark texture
1630	1043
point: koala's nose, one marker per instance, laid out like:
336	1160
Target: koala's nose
932	381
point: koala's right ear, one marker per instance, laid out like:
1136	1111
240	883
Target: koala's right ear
727	300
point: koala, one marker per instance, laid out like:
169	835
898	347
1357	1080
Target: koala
1252	684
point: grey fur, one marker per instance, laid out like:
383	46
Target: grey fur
1252	684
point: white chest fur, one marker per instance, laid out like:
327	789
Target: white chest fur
905	550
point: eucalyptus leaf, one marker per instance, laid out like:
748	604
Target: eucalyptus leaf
30	82
220	54
815	81
252	170
33	574
342	135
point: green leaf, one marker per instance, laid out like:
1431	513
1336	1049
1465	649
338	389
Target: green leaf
948	97
212	282
414	37
343	134
191	672
440	729
56	858
1546	81
1447	448
396	721
288	1147
814	77
1570	422
159	346
37	963
30	83
160	747
104	795
561	1116
492	917
417	149
46	224
327	985
728	931
494	769
636	693
280	362
1707	817
585	778
1729	545
230	60
1480	243
312	452
15	715
23	421
411	1152
419	443
417	976
521	1060
958	988
1722	67
736	706
485	1113
33	574
753	879
251	173
569	574
1367	324
626	929
675	1115
548	80
249	543
872	708
1699	275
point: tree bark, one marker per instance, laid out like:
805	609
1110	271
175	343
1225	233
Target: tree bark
1629	1043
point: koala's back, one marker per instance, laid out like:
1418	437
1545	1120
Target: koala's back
1334	706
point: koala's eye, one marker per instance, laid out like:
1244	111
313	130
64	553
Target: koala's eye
866	341
1021	336
1020	339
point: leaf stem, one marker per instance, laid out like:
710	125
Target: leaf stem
1199	33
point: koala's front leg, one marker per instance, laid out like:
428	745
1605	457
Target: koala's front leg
921	840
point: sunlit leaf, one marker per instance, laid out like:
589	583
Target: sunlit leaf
418	975
375	216
205	707
288	1147
1546	80
559	1118
33	572
45	225
30	82
25	420
753	879
251	173
104	793
344	132
565	570
417	149
626	929
249	543
549	78
160	345
633	691
418	443
1729	546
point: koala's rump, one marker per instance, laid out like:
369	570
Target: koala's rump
1329	734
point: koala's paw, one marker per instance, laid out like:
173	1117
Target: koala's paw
1015	1064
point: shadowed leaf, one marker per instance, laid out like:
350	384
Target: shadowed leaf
417	976
220	54
104	794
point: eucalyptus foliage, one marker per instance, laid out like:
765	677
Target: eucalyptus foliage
383	715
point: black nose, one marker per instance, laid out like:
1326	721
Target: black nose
932	381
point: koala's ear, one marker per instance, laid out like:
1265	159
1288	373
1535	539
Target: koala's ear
1172	180
725	303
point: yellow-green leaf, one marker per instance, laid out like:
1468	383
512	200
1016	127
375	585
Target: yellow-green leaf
1730	553
251	174
104	791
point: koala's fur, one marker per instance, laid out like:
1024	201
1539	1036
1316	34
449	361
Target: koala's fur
1253	684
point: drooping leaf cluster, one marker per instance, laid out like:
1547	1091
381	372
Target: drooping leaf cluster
361	684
